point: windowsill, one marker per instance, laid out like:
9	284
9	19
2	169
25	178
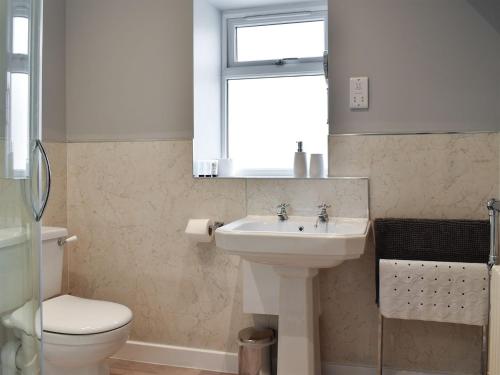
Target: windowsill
277	178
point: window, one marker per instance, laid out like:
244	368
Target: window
18	90
275	91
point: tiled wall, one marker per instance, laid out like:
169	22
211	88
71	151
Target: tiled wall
420	176
12	213
434	176
348	197
56	212
129	203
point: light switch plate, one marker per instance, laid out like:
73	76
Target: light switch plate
359	93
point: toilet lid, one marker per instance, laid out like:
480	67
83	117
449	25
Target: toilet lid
79	316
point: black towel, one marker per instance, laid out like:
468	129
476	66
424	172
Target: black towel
466	241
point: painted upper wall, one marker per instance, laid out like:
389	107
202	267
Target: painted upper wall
433	66
129	69
53	74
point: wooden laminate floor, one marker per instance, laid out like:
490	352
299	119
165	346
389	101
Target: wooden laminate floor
119	367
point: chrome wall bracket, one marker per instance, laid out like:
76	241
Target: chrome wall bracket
214	227
63	241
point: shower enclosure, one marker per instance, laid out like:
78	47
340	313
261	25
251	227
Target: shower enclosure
24	187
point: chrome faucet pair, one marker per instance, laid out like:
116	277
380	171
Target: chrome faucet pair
323	216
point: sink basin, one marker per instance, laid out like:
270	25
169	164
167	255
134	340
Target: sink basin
297	242
296	249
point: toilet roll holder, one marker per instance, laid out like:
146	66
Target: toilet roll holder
212	228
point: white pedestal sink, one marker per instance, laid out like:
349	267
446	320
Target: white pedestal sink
296	248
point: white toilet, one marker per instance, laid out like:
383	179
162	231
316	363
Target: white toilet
78	334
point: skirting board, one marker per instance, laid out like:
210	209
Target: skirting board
178	356
212	360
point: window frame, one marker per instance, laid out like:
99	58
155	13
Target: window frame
16	64
232	69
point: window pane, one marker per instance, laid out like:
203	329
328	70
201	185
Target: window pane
273	42
19	120
266	117
20	38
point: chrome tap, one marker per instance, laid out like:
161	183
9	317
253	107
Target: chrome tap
323	216
282	211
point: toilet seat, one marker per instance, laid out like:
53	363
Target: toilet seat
69	315
59	339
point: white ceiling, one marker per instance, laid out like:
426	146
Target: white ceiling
240	4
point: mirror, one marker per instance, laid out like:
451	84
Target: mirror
394	67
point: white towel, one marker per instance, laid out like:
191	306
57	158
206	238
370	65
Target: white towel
434	291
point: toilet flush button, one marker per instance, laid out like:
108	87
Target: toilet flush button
359	93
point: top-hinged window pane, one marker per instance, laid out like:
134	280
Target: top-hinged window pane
20	35
265	39
280	41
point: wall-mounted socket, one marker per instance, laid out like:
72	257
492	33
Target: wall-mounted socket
359	93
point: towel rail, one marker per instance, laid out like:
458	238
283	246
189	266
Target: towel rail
493	210
486	252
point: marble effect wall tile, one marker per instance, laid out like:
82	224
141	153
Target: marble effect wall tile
424	176
348	197
349	326
129	203
434	176
56	212
12	213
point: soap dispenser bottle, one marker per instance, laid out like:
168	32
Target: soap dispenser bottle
300	162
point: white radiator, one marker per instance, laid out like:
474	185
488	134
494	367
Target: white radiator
494	347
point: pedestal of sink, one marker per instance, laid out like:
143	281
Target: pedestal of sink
298	335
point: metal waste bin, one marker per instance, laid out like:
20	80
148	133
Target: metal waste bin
254	356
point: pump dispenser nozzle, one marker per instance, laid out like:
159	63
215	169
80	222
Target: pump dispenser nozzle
299	146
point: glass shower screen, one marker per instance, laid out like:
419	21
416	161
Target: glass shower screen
24	184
